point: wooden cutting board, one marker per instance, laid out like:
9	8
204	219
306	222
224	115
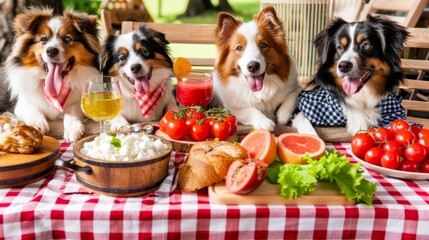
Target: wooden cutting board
267	193
20	169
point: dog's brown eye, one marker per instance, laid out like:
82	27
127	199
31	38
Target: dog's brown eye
122	58
263	45
44	39
144	53
366	45
239	48
340	48
67	39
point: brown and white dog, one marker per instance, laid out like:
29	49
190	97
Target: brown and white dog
51	58
142	62
255	76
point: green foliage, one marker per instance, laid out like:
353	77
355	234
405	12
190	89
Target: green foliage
89	6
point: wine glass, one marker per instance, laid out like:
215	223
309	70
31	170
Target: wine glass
195	89
101	99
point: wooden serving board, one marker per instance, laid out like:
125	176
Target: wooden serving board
21	169
186	144
267	193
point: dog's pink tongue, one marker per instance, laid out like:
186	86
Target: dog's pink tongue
255	82
351	85
141	85
54	79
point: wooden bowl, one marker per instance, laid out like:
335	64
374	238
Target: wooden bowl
118	178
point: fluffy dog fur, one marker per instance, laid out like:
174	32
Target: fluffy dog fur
255	77
359	65
44	43
142	61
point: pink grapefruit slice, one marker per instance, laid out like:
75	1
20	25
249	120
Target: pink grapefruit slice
261	145
292	147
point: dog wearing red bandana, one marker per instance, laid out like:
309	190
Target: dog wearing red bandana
141	59
52	56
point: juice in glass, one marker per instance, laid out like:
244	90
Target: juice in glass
101	106
196	89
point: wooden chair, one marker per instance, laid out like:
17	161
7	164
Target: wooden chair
192	34
405	12
416	87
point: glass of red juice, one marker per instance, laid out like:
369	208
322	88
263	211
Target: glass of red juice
196	89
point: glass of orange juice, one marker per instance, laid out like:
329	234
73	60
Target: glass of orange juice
101	99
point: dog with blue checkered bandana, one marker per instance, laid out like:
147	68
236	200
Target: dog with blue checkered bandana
357	78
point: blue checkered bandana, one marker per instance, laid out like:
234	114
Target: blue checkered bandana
325	111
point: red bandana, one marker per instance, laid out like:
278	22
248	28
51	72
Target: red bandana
57	100
150	99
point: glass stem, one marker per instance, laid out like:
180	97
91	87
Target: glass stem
103	126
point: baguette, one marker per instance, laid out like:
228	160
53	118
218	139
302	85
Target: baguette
208	163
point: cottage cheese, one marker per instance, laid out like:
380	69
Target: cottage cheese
134	147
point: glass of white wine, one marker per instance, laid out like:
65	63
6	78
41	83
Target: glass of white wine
101	99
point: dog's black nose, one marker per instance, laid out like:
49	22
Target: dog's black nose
253	66
52	52
135	68
345	66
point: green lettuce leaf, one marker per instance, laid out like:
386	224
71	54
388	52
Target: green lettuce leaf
296	180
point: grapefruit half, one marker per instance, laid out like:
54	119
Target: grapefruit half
261	145
292	147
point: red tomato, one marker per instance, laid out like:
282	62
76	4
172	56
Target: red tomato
190	122
220	130
383	135
424	165
390	160
423	132
176	129
415	129
373	156
424	141
405	137
393	146
192	113
398	125
408	166
371	131
361	143
244	176
233	122
199	132
415	152
168	116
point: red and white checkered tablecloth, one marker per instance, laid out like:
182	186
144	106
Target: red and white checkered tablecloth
57	207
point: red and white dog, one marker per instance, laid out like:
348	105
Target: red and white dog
142	61
255	76
51	58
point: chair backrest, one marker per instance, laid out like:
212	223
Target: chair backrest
199	34
416	86
405	12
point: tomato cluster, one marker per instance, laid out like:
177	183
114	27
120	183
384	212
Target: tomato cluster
199	124
401	147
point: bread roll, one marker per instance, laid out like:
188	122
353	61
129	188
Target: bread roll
208	163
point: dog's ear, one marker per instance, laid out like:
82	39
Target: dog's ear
324	41
391	34
226	25
30	19
157	36
82	22
107	57
267	17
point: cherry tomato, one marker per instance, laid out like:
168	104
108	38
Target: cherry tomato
244	176
168	116
371	131
176	128
393	146
415	129
190	122
424	165
373	156
424	141
233	122
399	125
423	132
383	135
409	166
405	137
220	130
361	143
415	152
199	132
192	113
390	160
